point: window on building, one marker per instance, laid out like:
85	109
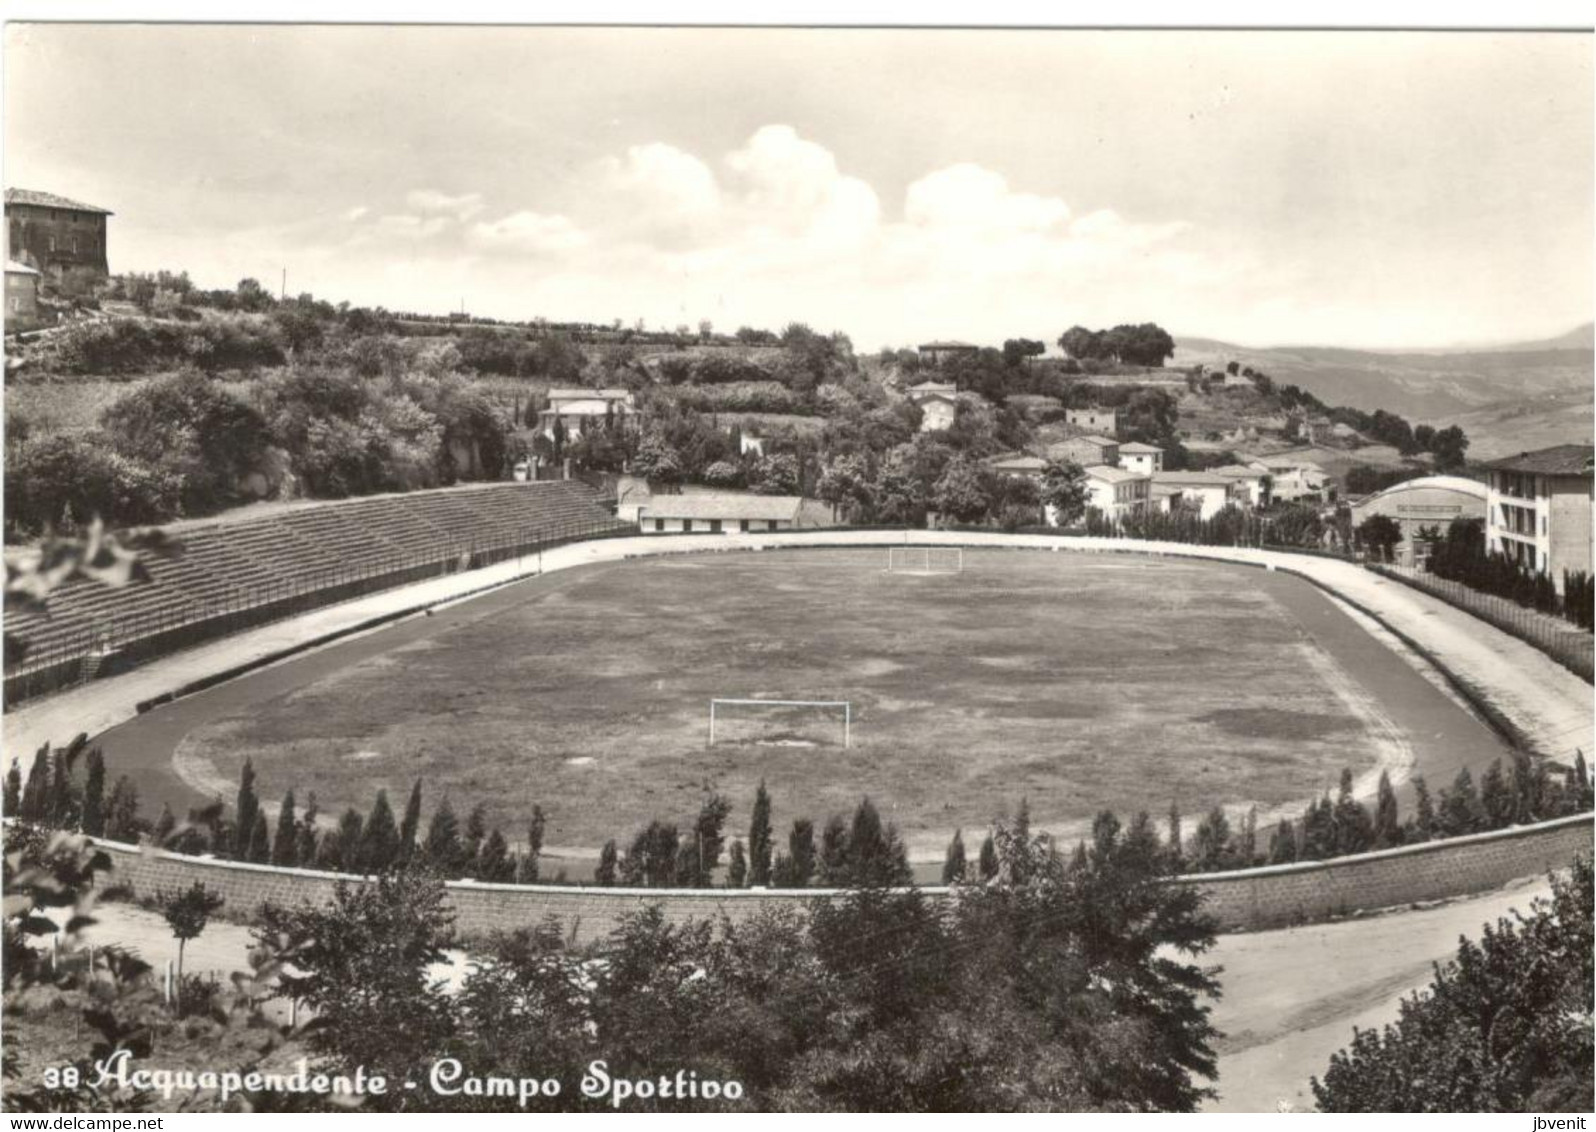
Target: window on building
687	524
742	524
659	524
714	526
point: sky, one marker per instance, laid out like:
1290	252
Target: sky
1376	189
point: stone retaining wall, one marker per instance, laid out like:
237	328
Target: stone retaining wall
1244	900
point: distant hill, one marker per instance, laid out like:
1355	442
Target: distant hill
1523	425
1435	385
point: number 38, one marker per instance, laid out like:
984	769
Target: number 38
64	1077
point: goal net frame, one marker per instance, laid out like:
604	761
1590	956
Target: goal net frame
924	555
846	705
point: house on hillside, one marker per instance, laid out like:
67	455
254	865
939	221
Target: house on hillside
1203	492
53	234
1248	481
1293	477
22	296
1115	492
1143	458
938	401
1427	502
718	512
940	353
1022	466
1103	422
1086	450
579	409
1538	509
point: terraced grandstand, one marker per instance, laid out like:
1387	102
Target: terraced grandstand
244	572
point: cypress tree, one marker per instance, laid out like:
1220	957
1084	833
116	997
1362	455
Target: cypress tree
800	854
260	845
285	846
164	825
1422	825
737	865
1173	846
1387	824
988	860
1354	830
1460	806
410	827
1283	845
35	805
759	839
244	810
493	859
1583	792
442	848
94	794
534	845
13	791
953	865
834	852
1249	838
605	873
476	831
379	838
1211	844
347	841
63	810
122	811
306	847
1497	802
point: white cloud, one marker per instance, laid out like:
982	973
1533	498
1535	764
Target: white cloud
968	197
661	192
793	186
356	213
433	202
528	232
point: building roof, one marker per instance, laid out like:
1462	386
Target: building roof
1560	460
1136	447
584	394
1236	472
50	200
1444	483
1018	463
1092	409
1165	488
1286	460
934	387
1192	479
722	505
15	268
949	344
1098	441
1110	474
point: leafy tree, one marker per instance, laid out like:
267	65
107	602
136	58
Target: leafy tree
122	821
362	965
1211	843
953	866
834	851
187	912
759	839
1064	491
700	856
1173	842
737	867
493	863
1503	1027
1354	831
35	804
963	491
1283	845
306	848
1460	811
476	832
534	845
1379	534
1497	802
1423	825
799	860
260	841
13	789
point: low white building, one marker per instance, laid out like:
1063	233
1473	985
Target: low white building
1102	421
718	512
1116	492
578	409
1143	458
1086	450
1249	483
1204	492
938	401
1021	466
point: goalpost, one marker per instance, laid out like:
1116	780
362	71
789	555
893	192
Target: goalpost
776	721
925	560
